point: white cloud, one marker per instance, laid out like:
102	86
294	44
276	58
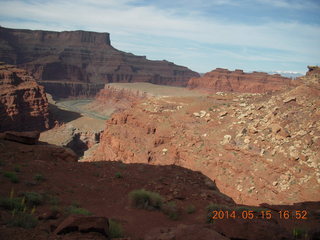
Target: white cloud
121	18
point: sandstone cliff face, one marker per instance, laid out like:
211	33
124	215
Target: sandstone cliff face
223	80
61	89
23	104
113	98
87	57
257	147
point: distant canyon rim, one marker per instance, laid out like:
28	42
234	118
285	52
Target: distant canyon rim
254	138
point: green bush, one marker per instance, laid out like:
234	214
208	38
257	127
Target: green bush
299	233
145	199
24	220
170	209
39	178
118	175
17	168
190	209
53	200
12	176
78	211
33	198
115	229
13	203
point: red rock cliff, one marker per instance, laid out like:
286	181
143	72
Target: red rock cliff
247	142
23	103
237	81
80	56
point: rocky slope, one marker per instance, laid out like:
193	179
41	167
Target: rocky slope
86	57
23	103
256	147
56	193
116	98
220	80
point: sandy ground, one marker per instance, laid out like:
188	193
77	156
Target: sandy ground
158	90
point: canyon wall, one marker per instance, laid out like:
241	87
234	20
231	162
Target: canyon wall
61	89
223	80
256	147
23	103
81	56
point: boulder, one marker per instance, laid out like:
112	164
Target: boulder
30	138
84	225
184	232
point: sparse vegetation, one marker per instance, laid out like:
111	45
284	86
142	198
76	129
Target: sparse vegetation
115	229
78	211
170	209
33	198
17	168
190	209
118	175
20	216
299	233
39	178
53	200
12	203
245	208
145	199
24	220
12	176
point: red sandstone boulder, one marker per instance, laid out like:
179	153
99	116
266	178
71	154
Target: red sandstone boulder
30	138
84	225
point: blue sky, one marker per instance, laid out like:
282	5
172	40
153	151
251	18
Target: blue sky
253	35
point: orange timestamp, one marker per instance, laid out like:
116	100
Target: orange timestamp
267	214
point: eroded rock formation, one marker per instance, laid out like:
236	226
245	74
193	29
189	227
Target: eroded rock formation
223	80
257	147
86	57
23	103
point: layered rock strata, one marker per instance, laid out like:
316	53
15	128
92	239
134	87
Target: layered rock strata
23	103
223	80
86	57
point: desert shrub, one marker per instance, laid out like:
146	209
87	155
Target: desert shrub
145	199
53	200
214	207
12	203
299	233
78	211
190	209
170	209
2	163
12	176
39	178
23	219
118	175
17	168
115	229
33	198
